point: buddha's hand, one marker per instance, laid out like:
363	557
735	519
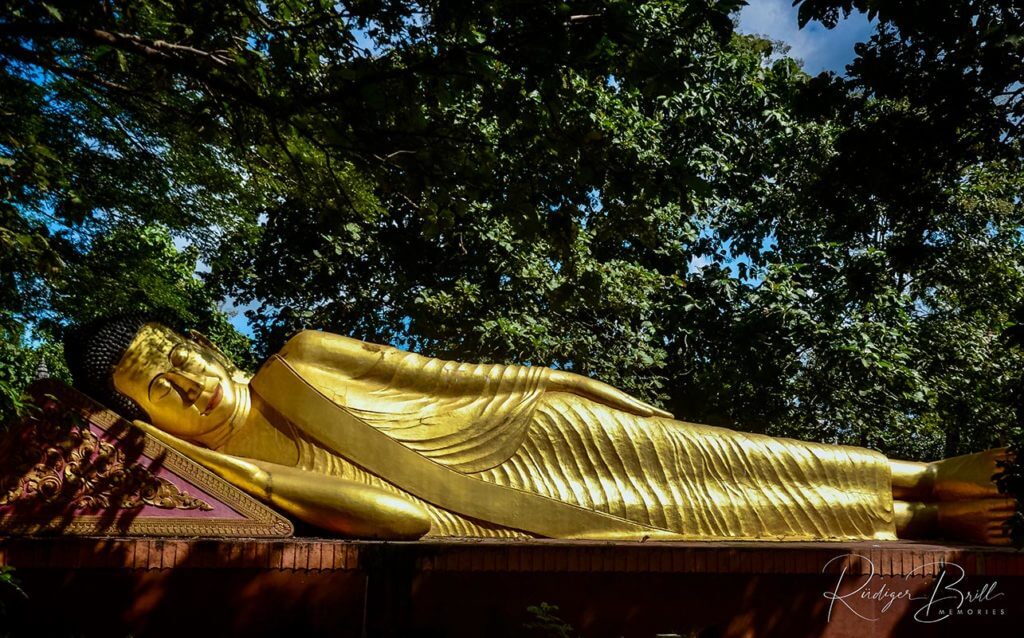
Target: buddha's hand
562	381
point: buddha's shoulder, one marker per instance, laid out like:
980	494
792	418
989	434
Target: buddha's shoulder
315	344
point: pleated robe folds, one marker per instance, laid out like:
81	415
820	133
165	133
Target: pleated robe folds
503	428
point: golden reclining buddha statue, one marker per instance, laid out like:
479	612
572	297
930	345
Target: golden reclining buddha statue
370	441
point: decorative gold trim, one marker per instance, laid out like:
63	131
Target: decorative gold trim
75	469
259	521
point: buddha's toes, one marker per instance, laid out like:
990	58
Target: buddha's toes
967	477
979	521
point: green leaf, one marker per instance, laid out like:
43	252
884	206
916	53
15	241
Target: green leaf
53	12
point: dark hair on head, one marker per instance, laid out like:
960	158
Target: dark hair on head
93	350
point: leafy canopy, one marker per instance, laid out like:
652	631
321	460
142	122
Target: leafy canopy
630	190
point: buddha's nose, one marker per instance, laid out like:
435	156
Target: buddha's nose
189	385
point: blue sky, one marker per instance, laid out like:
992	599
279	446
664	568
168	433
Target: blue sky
819	48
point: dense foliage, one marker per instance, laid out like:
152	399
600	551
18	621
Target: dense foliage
627	189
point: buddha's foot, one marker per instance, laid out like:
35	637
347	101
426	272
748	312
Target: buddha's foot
980	522
967	477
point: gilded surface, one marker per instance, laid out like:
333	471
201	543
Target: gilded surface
370	441
699	481
317	459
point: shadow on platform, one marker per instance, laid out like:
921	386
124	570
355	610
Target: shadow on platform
307	587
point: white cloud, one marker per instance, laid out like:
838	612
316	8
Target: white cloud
698	263
819	48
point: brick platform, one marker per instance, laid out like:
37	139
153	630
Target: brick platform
473	555
314	587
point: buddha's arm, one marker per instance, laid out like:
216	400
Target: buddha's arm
328	502
562	381
391	366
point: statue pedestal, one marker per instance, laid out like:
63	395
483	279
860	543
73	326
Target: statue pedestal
314	587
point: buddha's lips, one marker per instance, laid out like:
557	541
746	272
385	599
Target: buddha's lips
218	394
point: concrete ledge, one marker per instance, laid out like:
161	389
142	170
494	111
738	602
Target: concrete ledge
476	555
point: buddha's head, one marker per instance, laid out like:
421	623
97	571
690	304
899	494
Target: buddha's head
145	370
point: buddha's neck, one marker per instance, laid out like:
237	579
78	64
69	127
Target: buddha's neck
252	433
219	437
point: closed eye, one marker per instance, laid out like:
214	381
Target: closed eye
159	389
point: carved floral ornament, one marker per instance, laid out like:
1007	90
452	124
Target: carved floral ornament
59	463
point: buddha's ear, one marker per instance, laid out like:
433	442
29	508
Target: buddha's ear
233	370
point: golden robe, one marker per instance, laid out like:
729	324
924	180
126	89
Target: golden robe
488	450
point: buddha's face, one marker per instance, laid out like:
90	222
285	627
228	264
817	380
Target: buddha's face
184	386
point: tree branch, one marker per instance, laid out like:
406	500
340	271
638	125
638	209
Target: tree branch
188	61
